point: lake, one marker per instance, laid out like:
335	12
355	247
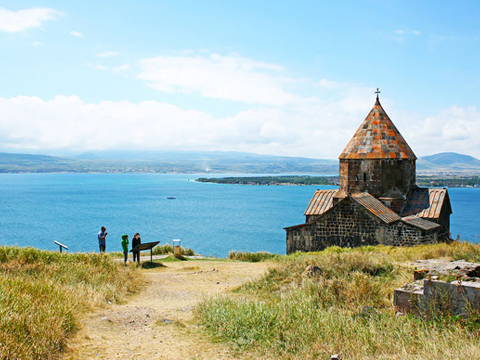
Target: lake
210	218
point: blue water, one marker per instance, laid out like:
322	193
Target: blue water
210	218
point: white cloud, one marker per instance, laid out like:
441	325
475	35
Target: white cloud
37	44
453	129
108	54
315	129
114	68
215	76
98	67
319	126
327	84
400	35
70	123
76	33
121	67
17	21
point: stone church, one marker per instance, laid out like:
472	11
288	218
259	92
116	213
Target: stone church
378	201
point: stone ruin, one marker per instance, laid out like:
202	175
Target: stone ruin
434	290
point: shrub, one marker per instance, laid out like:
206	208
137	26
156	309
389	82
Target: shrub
250	257
168	249
163	249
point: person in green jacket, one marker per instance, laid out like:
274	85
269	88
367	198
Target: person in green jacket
125	248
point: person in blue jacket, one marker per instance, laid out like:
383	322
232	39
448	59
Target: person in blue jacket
102	234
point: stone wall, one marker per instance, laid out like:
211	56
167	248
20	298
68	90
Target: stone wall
345	225
401	234
300	238
349	225
377	176
310	218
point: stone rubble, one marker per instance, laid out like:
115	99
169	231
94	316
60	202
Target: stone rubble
427	293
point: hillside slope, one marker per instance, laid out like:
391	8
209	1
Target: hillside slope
208	162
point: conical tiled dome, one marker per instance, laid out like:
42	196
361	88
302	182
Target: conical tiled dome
377	138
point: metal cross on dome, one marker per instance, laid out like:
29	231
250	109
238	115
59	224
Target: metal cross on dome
377	92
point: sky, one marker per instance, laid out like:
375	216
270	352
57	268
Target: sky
291	78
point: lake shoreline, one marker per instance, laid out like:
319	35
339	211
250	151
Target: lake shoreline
303	180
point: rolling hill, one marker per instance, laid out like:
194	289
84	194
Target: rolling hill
210	162
167	162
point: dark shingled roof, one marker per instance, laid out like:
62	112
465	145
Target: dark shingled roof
322	201
376	207
420	223
427	203
422	205
377	138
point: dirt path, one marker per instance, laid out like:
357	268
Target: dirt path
157	322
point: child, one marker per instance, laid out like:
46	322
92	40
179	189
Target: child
125	248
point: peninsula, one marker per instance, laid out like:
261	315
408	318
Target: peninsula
472	181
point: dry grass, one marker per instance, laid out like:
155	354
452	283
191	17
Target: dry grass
42	294
288	315
251	256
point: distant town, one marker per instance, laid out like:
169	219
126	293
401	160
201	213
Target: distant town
442	170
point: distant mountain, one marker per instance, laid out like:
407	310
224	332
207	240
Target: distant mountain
218	161
210	162
167	162
448	161
7	158
223	156
15	163
452	159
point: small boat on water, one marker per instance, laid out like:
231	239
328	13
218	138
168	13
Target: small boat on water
171	197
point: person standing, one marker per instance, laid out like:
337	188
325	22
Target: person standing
102	234
125	248
135	242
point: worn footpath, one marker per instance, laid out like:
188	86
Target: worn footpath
157	323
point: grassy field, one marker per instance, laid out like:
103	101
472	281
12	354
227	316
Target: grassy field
346	308
42	295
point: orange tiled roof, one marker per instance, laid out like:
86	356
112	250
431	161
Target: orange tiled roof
377	138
